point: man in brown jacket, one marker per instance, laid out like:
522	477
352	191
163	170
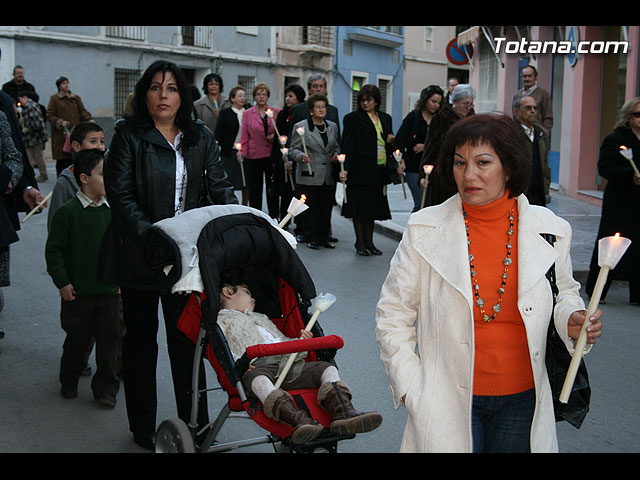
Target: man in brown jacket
64	111
543	99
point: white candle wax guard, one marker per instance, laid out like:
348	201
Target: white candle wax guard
323	301
297	206
611	249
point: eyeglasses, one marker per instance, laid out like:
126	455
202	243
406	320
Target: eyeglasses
367	100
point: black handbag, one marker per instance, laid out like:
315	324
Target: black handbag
557	361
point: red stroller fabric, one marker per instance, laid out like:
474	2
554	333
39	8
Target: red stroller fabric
290	324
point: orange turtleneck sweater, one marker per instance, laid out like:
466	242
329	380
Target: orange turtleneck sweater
502	362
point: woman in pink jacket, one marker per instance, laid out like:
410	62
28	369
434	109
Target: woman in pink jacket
257	137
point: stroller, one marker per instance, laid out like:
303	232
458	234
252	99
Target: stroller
210	241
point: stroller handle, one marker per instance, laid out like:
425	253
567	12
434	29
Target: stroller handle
293	346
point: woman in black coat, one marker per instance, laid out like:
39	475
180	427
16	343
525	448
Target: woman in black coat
367	142
282	191
228	135
620	201
411	138
159	164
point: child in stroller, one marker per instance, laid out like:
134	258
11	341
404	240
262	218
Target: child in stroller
243	327
206	245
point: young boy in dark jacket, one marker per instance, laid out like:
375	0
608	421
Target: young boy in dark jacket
89	308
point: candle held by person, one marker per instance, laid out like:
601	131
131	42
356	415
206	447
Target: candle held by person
241	162
319	304
269	113
398	156
427	171
300	131
628	154
341	158
296	207
610	250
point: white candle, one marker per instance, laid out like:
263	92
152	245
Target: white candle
341	158
320	304
628	154
398	156
285	151
610	250
427	172
295	207
270	115
241	161
300	131
37	207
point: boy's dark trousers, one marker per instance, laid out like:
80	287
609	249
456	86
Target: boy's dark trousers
97	316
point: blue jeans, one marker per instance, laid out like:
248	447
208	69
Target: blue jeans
502	423
411	180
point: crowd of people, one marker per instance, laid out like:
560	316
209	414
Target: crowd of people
485	204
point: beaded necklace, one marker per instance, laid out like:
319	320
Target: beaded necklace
507	261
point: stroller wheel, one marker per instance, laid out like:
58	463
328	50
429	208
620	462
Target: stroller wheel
173	436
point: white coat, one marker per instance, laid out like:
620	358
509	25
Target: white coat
424	322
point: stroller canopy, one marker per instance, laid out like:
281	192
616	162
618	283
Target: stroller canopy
241	241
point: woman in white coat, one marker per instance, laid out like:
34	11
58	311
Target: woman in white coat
463	313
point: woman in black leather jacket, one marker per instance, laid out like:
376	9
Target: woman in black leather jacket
160	163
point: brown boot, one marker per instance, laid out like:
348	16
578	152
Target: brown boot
279	406
335	397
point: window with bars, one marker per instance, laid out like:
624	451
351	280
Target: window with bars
124	83
357	83
126	31
317	35
383	86
248	82
196	36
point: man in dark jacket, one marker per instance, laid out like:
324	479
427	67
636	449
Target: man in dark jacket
525	112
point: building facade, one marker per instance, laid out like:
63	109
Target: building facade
103	63
589	71
426	61
369	55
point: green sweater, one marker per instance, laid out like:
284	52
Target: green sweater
73	247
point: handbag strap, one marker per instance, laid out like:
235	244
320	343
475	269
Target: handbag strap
551	273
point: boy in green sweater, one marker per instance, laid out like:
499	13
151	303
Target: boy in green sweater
88	308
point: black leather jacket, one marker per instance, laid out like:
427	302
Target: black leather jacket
140	178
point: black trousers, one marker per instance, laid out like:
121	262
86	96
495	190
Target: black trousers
256	170
87	317
316	221
140	354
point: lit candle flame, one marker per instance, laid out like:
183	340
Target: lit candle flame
303	198
269	113
617	235
427	169
622	147
341	157
283	139
238	146
300	130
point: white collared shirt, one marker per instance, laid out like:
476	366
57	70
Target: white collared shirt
528	131
181	176
87	202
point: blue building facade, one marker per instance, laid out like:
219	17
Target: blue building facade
369	55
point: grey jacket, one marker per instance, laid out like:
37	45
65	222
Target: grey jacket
320	154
